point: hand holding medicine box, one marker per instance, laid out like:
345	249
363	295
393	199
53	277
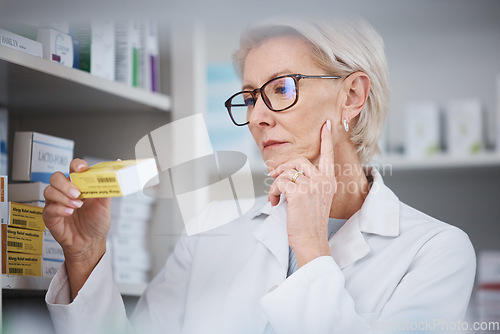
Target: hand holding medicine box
116	178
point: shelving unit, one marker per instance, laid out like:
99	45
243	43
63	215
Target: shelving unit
35	87
440	161
26	82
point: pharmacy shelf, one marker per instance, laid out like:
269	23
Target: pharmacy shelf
440	161
33	85
30	283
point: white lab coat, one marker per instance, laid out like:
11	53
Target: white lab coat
392	268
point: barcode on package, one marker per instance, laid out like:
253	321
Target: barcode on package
106	179
15	244
19	222
16	271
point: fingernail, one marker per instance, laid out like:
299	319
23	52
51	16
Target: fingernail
329	125
74	193
79	166
69	211
77	203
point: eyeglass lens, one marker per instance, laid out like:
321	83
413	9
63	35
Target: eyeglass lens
278	94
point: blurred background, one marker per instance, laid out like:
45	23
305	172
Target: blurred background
441	144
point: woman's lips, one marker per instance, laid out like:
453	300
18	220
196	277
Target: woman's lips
272	144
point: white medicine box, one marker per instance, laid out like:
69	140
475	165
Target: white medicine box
464	127
37	156
422	129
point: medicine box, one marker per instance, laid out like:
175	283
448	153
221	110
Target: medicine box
57	46
422	129
23	216
116	178
27	192
464	127
37	156
22	240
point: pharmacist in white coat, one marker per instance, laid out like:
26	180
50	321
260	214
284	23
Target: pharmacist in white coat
331	250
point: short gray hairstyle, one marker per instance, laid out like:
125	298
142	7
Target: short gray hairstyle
339	48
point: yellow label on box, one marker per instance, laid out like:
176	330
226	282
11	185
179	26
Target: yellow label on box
26	216
24	241
96	185
101	180
24	264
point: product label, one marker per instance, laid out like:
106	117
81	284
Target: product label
24	241
48	158
24	264
26	216
96	185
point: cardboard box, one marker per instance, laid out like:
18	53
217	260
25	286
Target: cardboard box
4	201
132	260
464	127
127	45
20	43
27	192
21	240
130	276
129	210
116	178
25	216
50	267
57	46
22	264
51	250
129	227
422	129
37	156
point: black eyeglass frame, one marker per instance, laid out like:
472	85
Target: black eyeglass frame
296	78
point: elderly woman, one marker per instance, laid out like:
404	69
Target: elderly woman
331	250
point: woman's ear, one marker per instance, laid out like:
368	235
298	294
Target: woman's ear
356	87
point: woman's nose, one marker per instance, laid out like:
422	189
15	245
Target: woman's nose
261	115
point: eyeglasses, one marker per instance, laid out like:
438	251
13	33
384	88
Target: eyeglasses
278	94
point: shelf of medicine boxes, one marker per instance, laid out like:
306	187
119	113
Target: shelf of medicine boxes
30	84
438	161
38	284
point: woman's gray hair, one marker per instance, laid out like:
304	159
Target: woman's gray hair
340	49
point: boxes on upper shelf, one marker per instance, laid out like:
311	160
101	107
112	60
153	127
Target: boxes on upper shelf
464	124
96	48
422	129
37	156
57	46
127	45
149	56
21	43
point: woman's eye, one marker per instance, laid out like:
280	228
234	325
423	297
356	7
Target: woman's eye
250	101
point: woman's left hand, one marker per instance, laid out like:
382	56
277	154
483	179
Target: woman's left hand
309	200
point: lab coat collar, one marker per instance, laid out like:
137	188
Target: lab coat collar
272	231
378	215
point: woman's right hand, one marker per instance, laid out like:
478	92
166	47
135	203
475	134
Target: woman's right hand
79	226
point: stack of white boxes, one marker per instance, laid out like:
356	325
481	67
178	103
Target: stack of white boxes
488	287
128	238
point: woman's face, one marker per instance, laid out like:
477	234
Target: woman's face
295	132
